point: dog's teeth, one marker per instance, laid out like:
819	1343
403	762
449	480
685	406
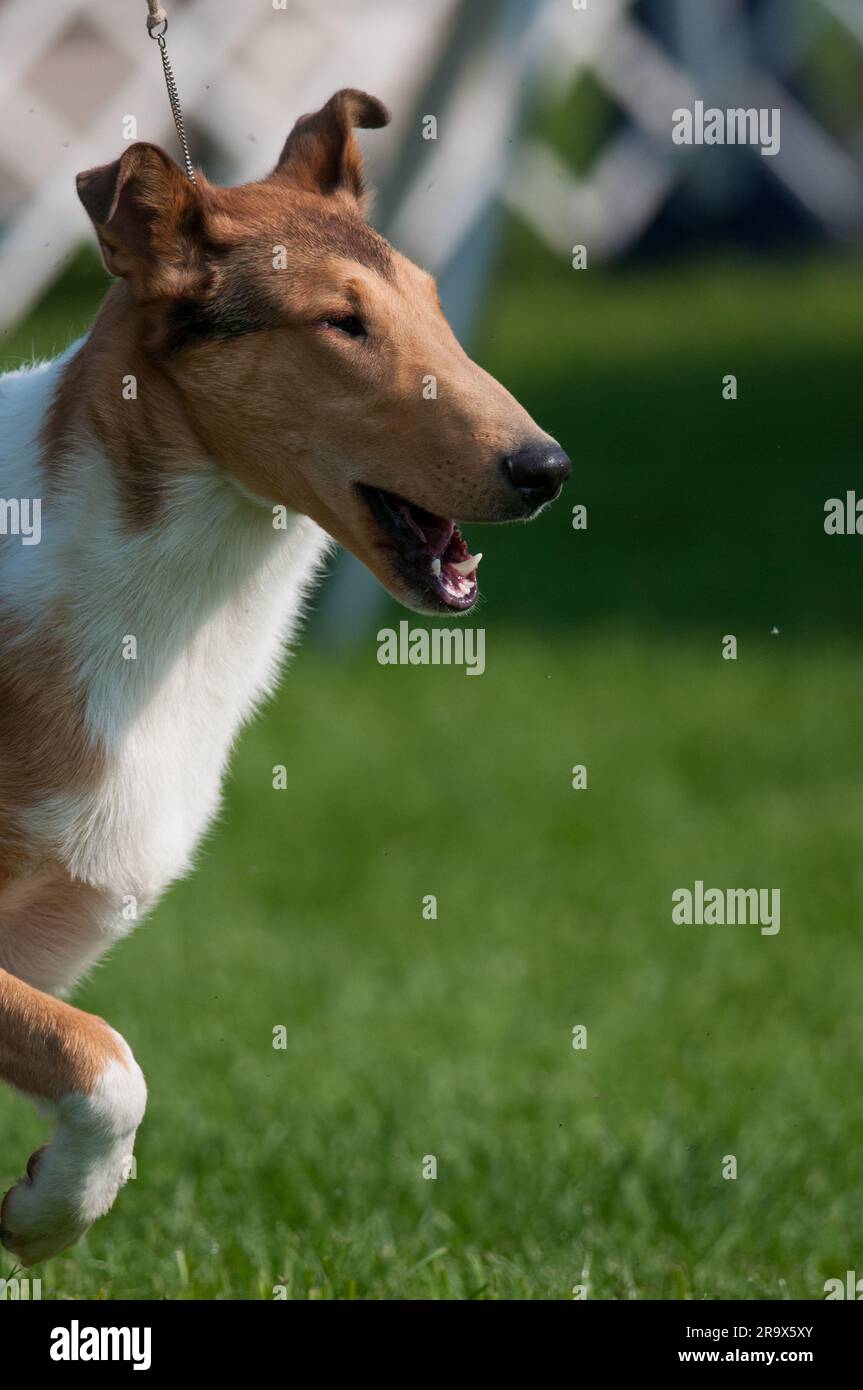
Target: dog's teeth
436	565
466	567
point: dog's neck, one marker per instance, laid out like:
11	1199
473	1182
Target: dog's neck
143	536
123	401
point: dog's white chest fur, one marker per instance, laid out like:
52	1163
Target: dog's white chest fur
176	633
194	650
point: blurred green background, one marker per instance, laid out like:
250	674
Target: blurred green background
302	1169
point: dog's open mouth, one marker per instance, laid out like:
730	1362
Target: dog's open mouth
429	550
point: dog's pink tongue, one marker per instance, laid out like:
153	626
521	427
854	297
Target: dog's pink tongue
451	561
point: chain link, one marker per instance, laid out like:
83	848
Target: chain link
173	95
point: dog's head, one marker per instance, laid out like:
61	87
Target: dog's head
315	360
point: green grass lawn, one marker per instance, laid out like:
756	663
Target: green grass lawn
452	1038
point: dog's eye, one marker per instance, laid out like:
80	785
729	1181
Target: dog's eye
347	323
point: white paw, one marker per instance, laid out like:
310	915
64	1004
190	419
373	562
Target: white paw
73	1180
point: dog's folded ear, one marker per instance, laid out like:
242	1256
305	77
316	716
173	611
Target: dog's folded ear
321	155
149	220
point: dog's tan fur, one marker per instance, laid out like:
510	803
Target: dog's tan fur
44	746
47	1047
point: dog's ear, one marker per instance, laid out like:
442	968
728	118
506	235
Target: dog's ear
149	220
321	154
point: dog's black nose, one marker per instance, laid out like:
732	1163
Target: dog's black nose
538	472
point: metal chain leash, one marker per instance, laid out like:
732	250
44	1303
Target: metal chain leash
157	27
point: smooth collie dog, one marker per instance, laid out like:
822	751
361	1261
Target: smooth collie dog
252	390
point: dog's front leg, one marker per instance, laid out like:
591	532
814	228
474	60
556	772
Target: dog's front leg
85	1073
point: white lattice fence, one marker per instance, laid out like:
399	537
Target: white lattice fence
635	172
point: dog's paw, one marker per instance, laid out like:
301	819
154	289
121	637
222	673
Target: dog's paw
34	1224
73	1181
